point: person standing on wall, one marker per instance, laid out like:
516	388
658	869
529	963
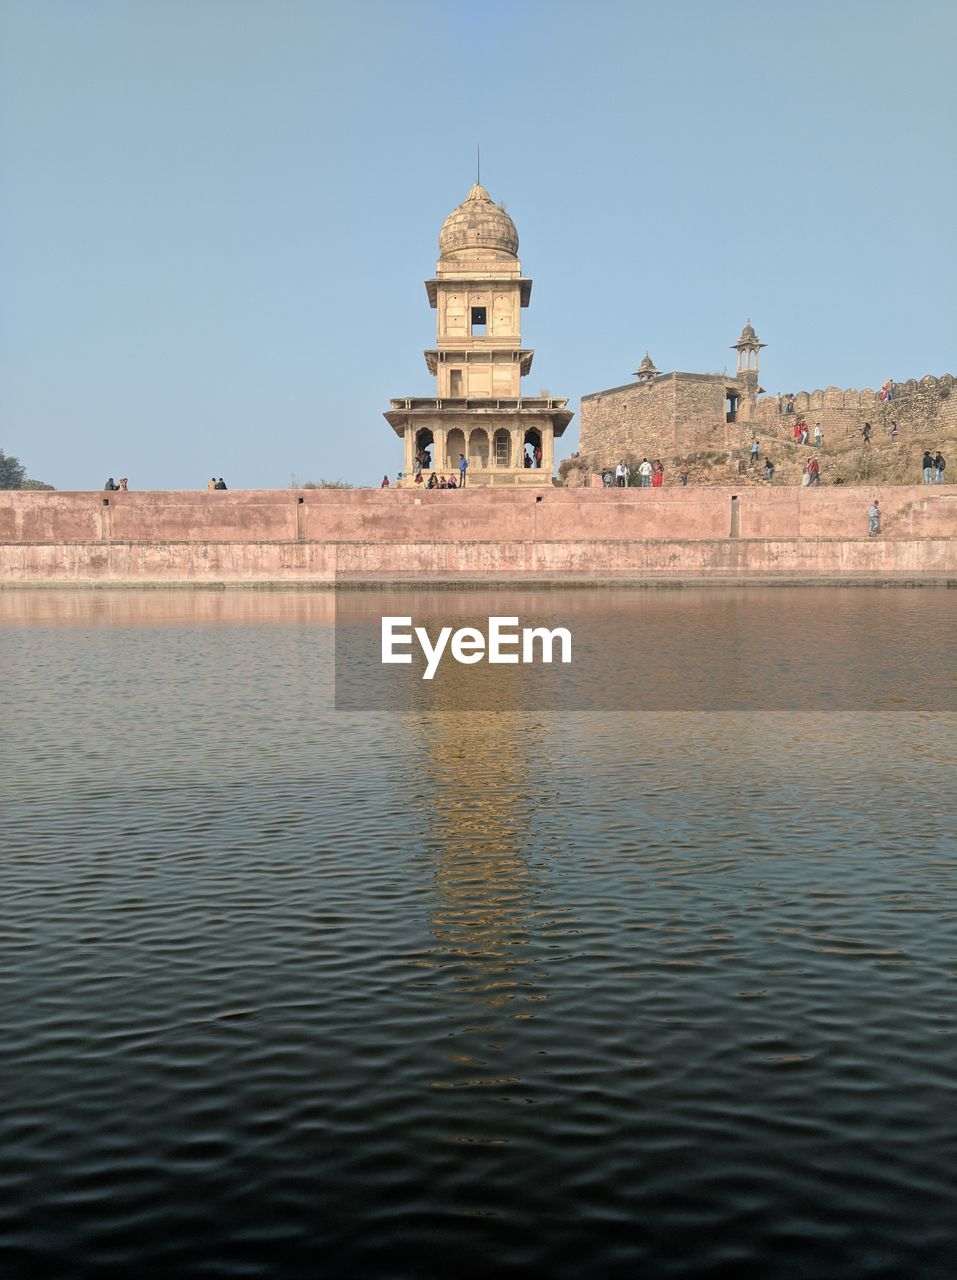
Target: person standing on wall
645	472
818	435
873	519
463	468
755	450
928	466
939	464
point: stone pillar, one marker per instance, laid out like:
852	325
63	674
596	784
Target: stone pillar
409	450
439	449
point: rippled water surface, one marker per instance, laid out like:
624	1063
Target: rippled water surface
286	991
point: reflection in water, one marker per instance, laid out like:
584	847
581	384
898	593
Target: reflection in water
481	806
275	974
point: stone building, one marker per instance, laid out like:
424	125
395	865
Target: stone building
670	415
478	360
663	414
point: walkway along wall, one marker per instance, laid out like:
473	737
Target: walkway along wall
329	536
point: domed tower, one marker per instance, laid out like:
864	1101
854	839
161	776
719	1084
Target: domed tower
747	347
478	362
646	371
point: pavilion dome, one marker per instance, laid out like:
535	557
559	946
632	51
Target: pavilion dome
478	227
749	337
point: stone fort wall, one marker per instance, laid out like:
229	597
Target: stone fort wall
925	410
675	413
682	413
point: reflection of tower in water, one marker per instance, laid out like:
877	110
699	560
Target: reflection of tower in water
483	798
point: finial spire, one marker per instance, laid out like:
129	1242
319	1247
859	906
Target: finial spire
478	164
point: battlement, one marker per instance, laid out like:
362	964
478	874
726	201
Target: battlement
851	398
925	409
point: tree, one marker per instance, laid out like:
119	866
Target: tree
12	472
13	475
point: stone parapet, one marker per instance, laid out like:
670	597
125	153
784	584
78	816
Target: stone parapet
325	536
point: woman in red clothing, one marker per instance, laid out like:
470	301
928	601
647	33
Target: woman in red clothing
658	478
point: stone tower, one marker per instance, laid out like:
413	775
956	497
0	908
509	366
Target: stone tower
478	361
747	347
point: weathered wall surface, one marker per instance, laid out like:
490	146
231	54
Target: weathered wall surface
924	411
684	412
677	413
322	535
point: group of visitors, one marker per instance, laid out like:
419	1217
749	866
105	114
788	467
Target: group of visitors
800	433
435	481
933	465
112	485
647	475
422	459
216	484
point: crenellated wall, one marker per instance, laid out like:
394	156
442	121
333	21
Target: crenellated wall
926	410
681	413
329	536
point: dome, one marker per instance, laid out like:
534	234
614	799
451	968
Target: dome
478	224
748	337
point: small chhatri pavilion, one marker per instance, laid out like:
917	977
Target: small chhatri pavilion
478	361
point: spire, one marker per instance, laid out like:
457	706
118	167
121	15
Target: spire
646	371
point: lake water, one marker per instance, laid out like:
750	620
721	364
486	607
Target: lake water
649	990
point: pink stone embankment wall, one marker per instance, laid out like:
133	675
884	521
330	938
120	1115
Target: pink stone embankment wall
329	536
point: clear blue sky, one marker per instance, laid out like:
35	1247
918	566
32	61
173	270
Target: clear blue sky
216	215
